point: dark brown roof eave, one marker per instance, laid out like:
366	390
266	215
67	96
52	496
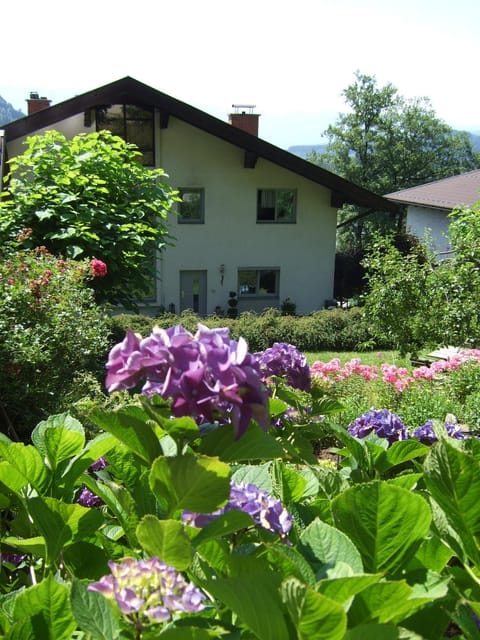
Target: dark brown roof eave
132	91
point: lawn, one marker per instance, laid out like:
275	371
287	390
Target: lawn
369	357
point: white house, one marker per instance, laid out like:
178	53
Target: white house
428	206
254	219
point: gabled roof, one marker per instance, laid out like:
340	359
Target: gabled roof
130	91
449	193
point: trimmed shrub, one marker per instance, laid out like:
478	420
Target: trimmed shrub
336	330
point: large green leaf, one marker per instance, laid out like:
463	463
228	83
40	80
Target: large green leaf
94	449
313	615
35	546
86	560
388	601
132	426
224	525
255	599
61	523
325	546
400	452
385	522
254	444
195	483
27	462
58	438
188	633
343	588
375	631
93	613
291	564
167	540
48	607
453	478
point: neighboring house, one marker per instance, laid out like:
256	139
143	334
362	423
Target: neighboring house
254	219
428	206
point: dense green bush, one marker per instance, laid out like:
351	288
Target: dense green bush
53	337
337	330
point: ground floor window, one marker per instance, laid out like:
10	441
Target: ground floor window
258	282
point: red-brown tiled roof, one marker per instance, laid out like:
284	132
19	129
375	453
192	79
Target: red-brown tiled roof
456	191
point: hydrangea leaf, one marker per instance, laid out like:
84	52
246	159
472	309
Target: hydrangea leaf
255	599
313	614
453	478
58	438
254	444
94	613
194	483
131	426
47	604
385	522
61	523
324	546
167	540
27	462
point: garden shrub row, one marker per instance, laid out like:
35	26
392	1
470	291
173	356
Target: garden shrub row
332	330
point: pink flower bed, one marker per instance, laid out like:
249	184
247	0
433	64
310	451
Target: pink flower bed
399	377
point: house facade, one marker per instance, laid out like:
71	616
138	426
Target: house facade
429	205
253	219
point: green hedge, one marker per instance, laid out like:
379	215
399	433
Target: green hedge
336	330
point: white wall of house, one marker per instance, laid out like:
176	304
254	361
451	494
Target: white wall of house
429	224
230	238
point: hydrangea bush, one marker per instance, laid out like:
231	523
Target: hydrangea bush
201	511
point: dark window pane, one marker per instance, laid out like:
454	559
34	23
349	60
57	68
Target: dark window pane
276	205
267	282
191	207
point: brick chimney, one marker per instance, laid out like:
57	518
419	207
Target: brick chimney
35	103
244	118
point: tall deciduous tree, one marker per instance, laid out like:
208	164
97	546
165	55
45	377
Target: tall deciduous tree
89	197
385	143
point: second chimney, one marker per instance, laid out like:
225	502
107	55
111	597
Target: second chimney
244	118
35	103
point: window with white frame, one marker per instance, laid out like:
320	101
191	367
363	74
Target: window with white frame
259	282
276	205
191	208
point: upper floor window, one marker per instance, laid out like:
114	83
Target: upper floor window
258	282
191	208
276	205
133	124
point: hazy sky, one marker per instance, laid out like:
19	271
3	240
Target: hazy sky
290	59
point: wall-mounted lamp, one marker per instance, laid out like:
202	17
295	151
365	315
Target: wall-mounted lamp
222	273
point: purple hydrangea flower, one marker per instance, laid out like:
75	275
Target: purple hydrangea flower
99	464
89	499
382	422
149	588
427	435
207	375
13	558
285	361
265	510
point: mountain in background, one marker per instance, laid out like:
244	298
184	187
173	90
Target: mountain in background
303	150
8	113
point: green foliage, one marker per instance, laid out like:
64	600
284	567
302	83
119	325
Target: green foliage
90	197
336	330
385	143
415	301
51	332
